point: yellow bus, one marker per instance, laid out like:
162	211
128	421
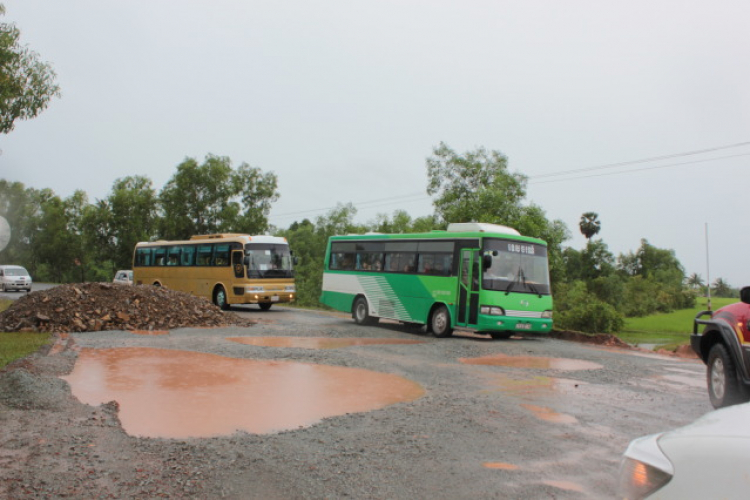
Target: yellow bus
224	268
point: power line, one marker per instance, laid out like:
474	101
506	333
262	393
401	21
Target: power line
644	160
630	171
419	196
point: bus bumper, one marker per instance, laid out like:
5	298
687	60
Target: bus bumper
511	324
249	296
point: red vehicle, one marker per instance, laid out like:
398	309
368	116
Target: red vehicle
724	346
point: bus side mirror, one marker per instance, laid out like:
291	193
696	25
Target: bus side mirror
246	261
745	295
486	261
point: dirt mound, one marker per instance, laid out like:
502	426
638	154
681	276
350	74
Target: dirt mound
89	307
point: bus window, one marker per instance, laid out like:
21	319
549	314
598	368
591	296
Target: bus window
143	257
174	256
221	255
188	255
160	256
204	255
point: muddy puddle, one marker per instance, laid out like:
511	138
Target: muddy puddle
536	386
318	342
500	466
180	394
563	364
550	415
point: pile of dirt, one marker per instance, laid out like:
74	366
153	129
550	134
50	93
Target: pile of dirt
89	307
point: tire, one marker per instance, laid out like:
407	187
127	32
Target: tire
265	306
501	335
220	298
724	387
361	312
440	322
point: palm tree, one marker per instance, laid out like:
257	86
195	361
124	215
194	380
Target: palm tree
590	224
721	288
695	281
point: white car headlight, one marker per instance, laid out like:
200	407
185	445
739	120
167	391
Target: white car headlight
492	310
644	469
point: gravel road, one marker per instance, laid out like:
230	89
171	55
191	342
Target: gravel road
530	431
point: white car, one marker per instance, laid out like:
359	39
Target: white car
705	459
14	278
123	277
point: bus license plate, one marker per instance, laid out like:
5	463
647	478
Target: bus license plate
275	298
523	326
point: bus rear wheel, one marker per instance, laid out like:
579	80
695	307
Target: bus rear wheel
361	312
440	322
220	298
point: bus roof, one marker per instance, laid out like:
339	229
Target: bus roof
213	238
455	231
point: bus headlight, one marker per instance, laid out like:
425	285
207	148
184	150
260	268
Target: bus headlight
547	315
492	310
290	288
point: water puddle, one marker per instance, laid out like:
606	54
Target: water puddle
535	386
500	466
318	342
563	364
150	332
180	394
549	415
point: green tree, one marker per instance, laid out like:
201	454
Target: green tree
131	199
695	281
652	262
589	224
596	260
722	289
474	187
26	84
478	187
212	198
403	223
308	241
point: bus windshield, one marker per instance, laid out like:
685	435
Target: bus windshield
517	266
268	260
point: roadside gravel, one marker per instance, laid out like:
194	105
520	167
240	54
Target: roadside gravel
438	446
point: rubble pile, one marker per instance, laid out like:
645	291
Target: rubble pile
89	307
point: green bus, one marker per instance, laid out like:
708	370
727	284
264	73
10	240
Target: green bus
481	277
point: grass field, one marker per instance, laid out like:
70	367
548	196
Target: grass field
666	330
18	345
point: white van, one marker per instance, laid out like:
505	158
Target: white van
124	277
14	278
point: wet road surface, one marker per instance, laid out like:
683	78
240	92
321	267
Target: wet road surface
519	418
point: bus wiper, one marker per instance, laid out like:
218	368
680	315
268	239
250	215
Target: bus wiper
513	283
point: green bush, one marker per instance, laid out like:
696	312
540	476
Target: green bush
578	309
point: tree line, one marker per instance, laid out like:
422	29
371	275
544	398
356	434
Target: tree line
73	240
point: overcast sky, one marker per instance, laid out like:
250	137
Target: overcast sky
344	101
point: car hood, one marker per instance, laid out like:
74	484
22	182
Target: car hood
726	422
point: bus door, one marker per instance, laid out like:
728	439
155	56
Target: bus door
238	264
468	287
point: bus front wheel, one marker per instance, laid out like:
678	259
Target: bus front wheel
440	322
361	312
264	306
220	298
